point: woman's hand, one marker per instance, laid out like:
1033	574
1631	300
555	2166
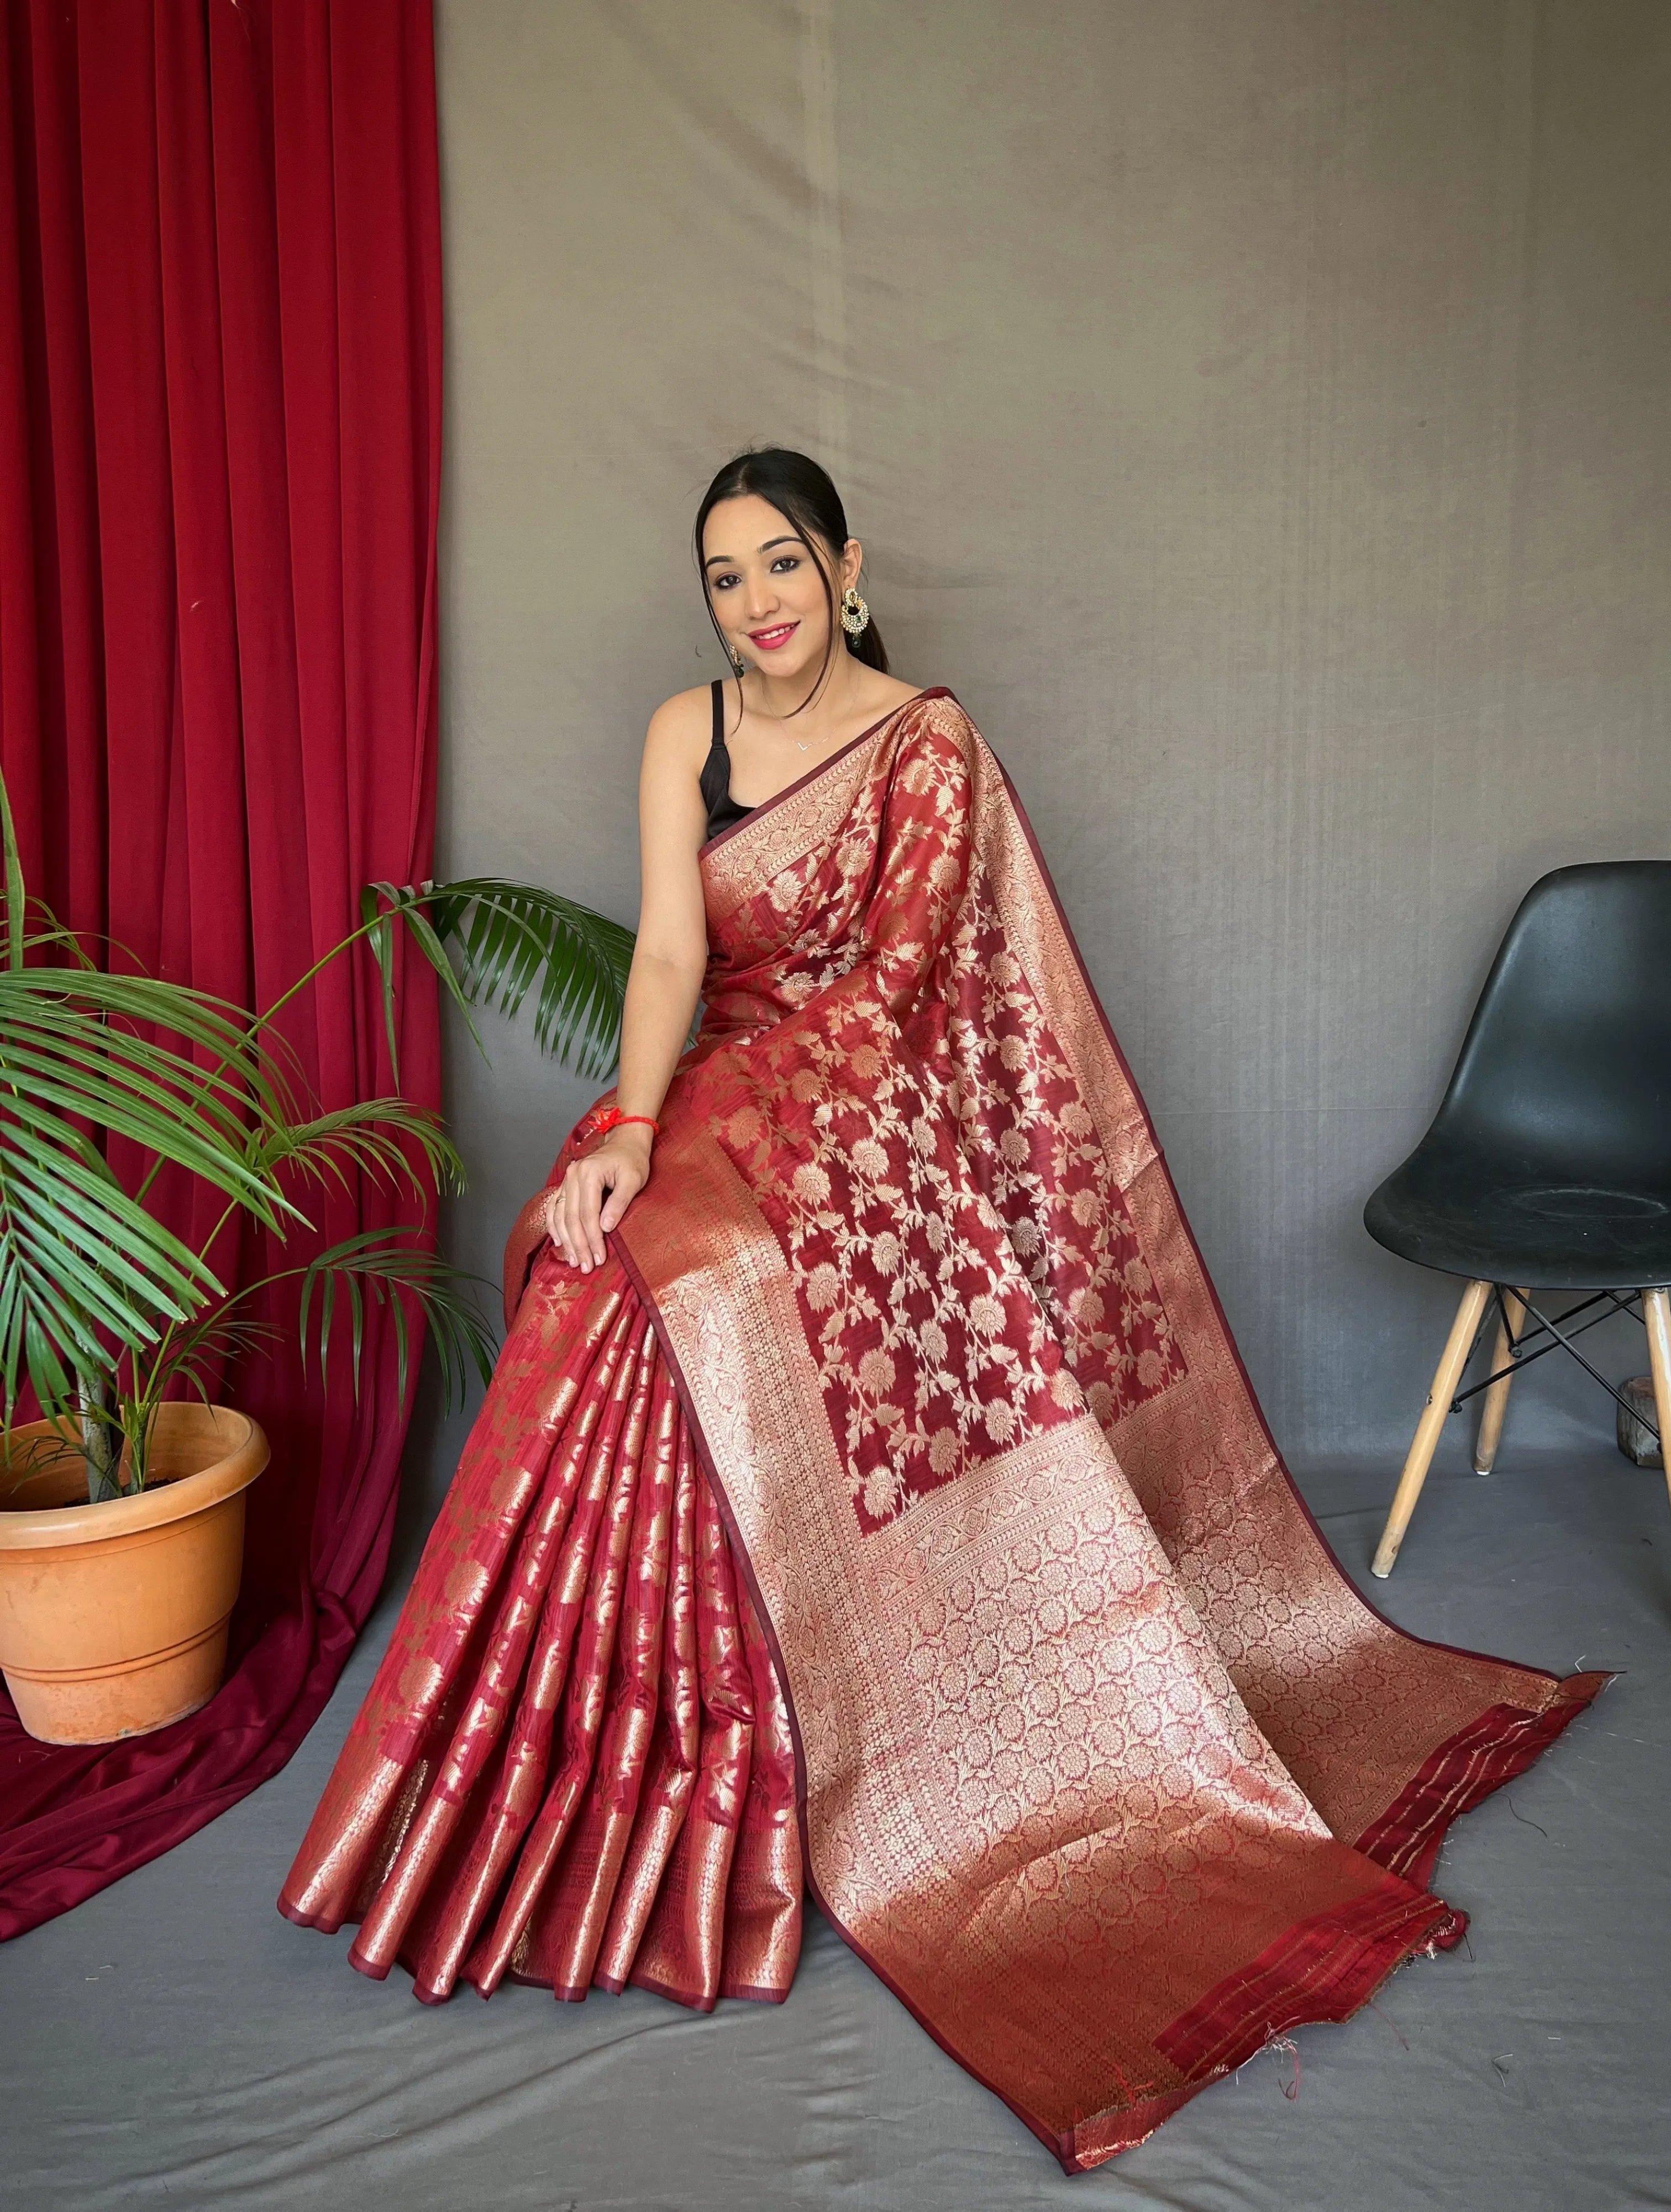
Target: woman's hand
594	1195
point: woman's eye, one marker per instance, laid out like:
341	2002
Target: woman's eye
784	562
725	583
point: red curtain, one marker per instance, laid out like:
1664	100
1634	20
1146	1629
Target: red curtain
220	453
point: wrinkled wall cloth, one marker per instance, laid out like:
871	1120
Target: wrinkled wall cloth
220	366
1256	413
1100	1762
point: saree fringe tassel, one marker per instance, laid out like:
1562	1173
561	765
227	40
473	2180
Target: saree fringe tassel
892	1517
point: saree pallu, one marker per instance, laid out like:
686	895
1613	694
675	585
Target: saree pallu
890	1515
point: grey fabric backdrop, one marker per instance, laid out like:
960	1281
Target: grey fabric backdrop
1256	412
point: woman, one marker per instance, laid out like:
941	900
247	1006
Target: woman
869	1494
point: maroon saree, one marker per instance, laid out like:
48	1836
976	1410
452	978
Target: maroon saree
890	1512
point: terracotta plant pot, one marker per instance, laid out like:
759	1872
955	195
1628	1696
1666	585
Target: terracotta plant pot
114	1617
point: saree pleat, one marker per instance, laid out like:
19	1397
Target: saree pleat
476	1737
571	1931
399	1737
682	1951
528	1931
574	1773
671	1780
764	1901
579	1600
889	1515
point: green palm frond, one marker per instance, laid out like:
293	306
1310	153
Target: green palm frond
197	1354
377	1266
198	1018
14	915
85	1272
101	1306
512	938
49	937
59	1050
384	1138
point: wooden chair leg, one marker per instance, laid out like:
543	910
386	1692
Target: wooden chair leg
1496	1398
1657	1312
1452	1361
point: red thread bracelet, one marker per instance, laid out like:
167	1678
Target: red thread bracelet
611	1117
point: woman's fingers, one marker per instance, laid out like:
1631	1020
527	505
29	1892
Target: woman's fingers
582	1203
562	1223
587	1204
628	1184
555	1225
593	1186
573	1214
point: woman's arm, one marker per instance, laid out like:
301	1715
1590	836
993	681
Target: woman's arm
662	988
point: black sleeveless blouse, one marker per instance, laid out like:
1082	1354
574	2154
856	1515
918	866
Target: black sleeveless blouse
722	808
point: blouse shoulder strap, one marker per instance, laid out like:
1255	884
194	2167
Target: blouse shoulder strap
717	688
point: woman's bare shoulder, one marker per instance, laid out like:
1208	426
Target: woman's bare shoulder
882	697
680	732
686	715
892	691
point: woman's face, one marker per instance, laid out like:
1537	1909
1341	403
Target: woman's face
768	589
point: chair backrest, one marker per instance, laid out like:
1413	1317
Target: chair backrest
1567	1062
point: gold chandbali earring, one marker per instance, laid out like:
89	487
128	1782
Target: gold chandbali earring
855	615
739	664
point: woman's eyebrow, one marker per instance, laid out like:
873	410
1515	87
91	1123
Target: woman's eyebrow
724	559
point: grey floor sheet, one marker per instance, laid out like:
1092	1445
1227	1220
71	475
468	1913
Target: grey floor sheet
174	2042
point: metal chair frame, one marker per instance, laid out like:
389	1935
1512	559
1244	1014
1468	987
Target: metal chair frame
1651	1301
1630	1304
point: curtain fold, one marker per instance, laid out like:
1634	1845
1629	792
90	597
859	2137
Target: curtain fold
220	465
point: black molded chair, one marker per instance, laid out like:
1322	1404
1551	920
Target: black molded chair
1548	1164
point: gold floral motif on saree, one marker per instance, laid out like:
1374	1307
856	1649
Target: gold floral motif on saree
891	1511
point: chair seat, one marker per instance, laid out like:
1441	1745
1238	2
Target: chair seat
1500	1221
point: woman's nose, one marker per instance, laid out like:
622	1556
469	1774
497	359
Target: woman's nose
761	593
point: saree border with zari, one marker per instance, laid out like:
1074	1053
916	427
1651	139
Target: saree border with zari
1093	1976
892	1511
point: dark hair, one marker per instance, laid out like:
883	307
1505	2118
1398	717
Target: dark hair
803	493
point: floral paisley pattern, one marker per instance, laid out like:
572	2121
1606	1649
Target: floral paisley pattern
911	1128
890	1512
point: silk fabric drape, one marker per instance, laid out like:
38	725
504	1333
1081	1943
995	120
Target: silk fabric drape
220	396
1100	1760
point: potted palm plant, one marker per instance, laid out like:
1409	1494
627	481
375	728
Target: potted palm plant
122	1503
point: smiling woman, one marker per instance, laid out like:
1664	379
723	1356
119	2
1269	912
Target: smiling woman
871	1498
767	490
781	576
